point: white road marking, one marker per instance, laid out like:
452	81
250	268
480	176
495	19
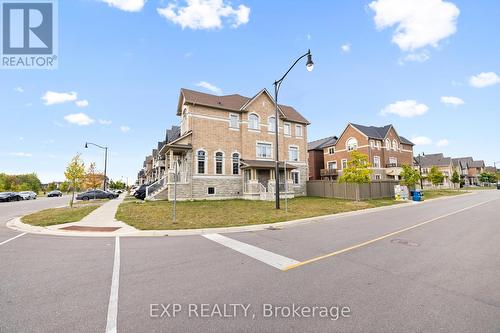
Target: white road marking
267	257
113	296
8	240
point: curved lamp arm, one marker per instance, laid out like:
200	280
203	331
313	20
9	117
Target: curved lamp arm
94	144
277	83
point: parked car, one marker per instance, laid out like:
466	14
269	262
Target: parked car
28	195
498	186
96	194
140	193
55	193
10	196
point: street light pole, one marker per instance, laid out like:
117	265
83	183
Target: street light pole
420	171
105	160
277	85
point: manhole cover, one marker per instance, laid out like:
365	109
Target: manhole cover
95	229
404	242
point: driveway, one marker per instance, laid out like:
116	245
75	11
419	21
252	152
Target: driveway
424	267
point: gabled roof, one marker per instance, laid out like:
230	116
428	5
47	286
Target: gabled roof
374	132
462	162
234	103
172	134
477	164
322	143
430	160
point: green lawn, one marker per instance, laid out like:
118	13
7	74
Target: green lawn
58	215
157	215
432	194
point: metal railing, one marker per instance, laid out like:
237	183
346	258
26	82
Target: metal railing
329	172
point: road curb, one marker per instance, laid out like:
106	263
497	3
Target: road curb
18	225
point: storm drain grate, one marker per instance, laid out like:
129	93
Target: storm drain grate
95	229
404	242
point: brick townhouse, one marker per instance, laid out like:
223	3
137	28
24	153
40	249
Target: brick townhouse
442	163
225	149
387	151
469	170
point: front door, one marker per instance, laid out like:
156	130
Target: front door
263	176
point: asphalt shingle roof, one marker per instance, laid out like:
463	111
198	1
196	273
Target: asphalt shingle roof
430	160
380	133
322	143
234	103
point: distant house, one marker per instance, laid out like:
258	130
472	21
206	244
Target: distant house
315	154
387	151
444	164
469	170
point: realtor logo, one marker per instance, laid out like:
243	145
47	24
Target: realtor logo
29	35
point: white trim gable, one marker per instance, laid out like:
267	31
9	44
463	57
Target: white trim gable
250	101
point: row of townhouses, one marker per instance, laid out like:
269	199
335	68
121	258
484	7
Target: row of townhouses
224	148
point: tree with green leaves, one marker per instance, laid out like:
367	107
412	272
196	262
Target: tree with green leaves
358	170
455	178
64	187
93	178
52	186
75	174
487	177
436	176
118	185
409	176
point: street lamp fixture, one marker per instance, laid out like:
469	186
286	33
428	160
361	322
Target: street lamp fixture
105	161
277	85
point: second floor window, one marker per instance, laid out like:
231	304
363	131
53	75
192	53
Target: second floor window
271	124
376	162
332	165
331	150
236	164
352	144
394	144
201	162
219	163
234	120
293	154
298	130
253	121
264	150
286	129
344	164
387	144
393	161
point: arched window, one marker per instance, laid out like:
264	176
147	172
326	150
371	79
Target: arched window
387	144
236	164
201	157
219	163
394	144
271	124
253	121
352	144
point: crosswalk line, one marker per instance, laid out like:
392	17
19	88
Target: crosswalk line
267	257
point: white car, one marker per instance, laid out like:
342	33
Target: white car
28	195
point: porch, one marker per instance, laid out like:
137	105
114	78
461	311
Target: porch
259	181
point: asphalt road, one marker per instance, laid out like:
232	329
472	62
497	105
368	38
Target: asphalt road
420	268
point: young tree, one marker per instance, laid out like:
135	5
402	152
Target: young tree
118	185
51	187
455	178
410	176
487	177
93	178
435	176
64	187
75	174
357	170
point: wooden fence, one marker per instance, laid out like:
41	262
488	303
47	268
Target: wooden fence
331	189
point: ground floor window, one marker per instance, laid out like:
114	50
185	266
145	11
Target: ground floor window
295	177
211	191
236	164
378	177
219	162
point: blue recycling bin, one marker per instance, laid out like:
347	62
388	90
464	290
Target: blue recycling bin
417	195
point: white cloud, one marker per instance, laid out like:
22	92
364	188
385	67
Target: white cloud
19	89
346	47
415	57
205	14
21	138
21	154
308	36
52	97
407	109
484	79
105	122
210	87
126	5
452	100
124	129
421	140
80	119
443	143
419	23
82	103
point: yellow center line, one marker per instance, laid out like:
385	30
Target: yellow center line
328	255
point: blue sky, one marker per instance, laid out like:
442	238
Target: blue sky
430	67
